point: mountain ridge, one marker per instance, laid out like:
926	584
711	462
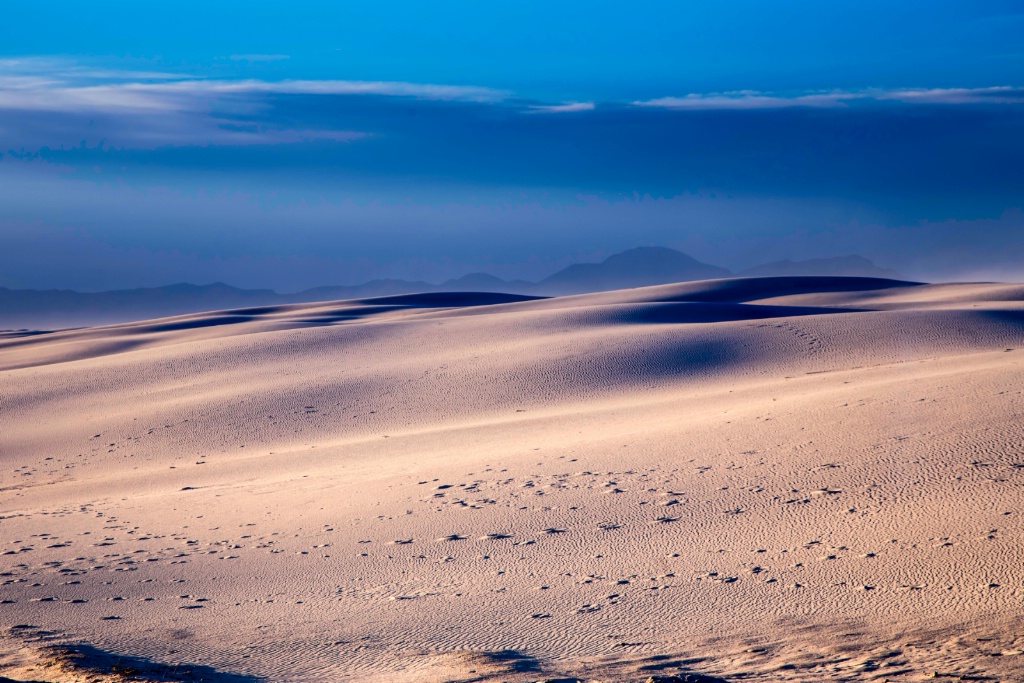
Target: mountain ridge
637	267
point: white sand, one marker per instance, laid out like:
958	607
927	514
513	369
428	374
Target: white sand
605	486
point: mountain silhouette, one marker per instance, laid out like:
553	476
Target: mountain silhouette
851	266
640	267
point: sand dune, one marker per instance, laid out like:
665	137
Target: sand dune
762	478
49	309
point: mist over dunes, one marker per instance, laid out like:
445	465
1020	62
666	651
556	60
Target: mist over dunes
54	309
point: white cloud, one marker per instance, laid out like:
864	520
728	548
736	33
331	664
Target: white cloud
425	91
69	71
148	109
139	114
24	86
995	95
566	108
749	99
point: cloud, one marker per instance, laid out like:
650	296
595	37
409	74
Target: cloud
746	100
567	108
52	102
45	85
54	85
996	95
48	102
751	99
65	71
41	95
424	91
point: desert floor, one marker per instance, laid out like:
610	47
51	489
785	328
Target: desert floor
764	479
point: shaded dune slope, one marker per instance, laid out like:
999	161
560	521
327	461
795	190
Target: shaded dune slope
709	301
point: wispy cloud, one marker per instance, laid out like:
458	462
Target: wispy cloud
750	99
746	99
147	109
425	91
566	108
52	84
51	102
49	95
996	95
66	71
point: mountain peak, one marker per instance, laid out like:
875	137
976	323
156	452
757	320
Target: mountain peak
637	267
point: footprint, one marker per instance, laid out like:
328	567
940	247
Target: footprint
825	492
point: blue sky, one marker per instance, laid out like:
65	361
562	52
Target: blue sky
293	145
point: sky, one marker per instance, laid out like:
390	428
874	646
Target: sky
291	145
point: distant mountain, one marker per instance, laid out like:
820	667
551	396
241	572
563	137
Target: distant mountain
852	266
638	267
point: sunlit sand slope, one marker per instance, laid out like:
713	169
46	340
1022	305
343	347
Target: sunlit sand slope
774	479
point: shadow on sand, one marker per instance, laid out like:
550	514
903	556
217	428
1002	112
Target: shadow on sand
695	312
84	659
493	667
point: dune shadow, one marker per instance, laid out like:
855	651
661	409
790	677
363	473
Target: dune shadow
18	334
259	310
347	314
751	289
699	312
510	661
450	299
355	310
661	359
1013	317
91	661
195	323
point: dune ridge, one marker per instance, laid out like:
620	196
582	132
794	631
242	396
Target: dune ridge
28	309
792	478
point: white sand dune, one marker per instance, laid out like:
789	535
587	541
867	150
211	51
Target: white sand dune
767	478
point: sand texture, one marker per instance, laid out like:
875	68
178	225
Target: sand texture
793	479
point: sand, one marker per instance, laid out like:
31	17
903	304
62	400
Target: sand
762	479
